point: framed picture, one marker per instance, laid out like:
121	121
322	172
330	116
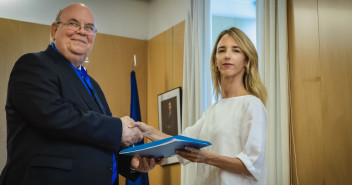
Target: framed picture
169	105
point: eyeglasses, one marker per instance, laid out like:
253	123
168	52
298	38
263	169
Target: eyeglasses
76	26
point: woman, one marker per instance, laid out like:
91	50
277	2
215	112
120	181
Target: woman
236	124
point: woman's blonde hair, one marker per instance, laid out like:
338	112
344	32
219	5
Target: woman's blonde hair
251	78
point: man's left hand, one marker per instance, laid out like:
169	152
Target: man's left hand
144	164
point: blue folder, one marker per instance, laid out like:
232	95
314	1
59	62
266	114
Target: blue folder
164	147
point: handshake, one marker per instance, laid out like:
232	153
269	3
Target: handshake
133	132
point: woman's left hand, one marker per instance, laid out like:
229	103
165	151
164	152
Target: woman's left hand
194	155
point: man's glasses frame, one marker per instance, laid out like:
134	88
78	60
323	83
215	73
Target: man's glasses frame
76	26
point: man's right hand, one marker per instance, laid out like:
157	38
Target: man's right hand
144	128
149	131
130	135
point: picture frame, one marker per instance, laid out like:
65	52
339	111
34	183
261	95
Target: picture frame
169	114
169	108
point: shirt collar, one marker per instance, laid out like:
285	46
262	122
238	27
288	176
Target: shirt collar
54	47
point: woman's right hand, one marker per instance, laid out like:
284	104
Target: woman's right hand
142	126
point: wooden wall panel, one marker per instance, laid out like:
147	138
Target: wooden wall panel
165	66
178	46
305	74
335	31
110	63
320	43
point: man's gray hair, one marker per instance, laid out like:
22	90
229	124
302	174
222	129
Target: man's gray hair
58	16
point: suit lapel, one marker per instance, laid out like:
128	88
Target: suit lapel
71	74
83	92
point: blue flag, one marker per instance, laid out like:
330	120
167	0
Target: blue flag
135	114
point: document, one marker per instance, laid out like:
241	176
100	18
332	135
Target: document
165	147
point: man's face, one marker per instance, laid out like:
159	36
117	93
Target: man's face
74	45
169	106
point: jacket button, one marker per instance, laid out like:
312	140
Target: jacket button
110	167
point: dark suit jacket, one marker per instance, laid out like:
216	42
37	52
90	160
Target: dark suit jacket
56	133
170	124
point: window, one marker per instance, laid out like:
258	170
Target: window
233	13
226	14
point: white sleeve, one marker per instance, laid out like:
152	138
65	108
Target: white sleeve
252	135
192	132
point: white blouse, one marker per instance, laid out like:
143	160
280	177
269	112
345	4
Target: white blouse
236	128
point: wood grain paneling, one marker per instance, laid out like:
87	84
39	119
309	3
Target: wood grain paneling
165	66
110	63
305	74
178	46
320	43
335	31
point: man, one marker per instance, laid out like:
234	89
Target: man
170	121
60	128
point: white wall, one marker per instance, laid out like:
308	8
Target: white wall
127	18
163	14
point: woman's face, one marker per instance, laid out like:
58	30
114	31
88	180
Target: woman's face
230	59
